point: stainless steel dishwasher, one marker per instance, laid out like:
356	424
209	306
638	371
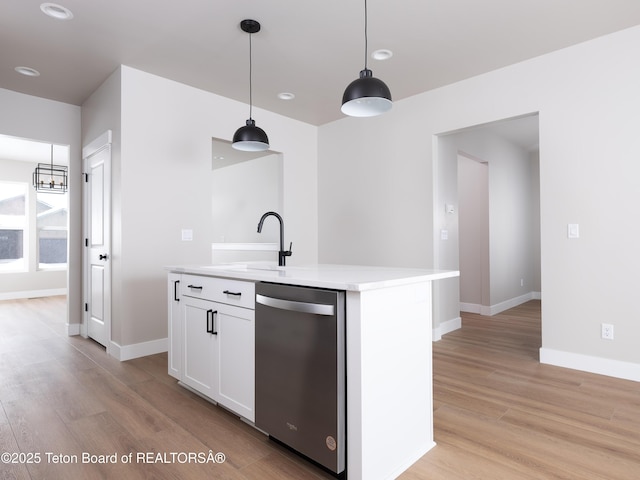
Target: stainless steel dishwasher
300	371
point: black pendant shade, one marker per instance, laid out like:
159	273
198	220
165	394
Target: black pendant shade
250	138
366	96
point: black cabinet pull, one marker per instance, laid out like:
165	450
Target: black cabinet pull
195	287
211	326
209	321
175	290
237	294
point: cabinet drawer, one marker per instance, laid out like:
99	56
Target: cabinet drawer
223	290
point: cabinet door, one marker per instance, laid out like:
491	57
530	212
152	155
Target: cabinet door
236	359
200	345
175	326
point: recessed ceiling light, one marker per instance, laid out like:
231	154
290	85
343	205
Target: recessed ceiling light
382	54
27	71
56	11
286	96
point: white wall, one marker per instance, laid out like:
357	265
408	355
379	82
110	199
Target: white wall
241	193
375	192
446	248
512	228
59	123
376	182
164	185
534	165
473	208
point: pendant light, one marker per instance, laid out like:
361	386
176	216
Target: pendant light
366	96
50	178
250	138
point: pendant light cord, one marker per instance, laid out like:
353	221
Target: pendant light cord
366	46
250	81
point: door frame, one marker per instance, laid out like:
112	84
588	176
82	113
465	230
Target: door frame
100	143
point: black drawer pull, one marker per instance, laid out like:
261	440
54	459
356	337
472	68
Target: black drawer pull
237	294
195	287
175	290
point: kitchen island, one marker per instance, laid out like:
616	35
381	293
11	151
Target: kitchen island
388	354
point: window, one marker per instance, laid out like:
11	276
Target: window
51	225
13	224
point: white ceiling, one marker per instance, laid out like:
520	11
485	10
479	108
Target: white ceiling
310	48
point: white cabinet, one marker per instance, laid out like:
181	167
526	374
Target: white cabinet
235	373
212	335
199	370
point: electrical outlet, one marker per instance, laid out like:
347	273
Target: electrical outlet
607	331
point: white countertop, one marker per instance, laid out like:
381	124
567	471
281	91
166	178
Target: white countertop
338	277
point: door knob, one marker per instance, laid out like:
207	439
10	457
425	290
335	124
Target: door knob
103	256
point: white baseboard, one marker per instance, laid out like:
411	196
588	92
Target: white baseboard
137	350
51	292
73	329
446	327
471	307
588	363
499	307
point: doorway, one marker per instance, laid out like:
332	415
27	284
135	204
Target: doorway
34	226
498	257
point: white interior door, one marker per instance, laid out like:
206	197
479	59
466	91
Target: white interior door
97	264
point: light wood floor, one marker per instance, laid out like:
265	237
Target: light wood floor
498	413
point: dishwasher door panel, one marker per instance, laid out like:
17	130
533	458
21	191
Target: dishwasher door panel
300	370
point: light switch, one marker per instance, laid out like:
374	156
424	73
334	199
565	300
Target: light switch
573	230
444	234
187	235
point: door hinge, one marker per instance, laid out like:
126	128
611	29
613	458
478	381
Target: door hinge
86	178
86	307
86	242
